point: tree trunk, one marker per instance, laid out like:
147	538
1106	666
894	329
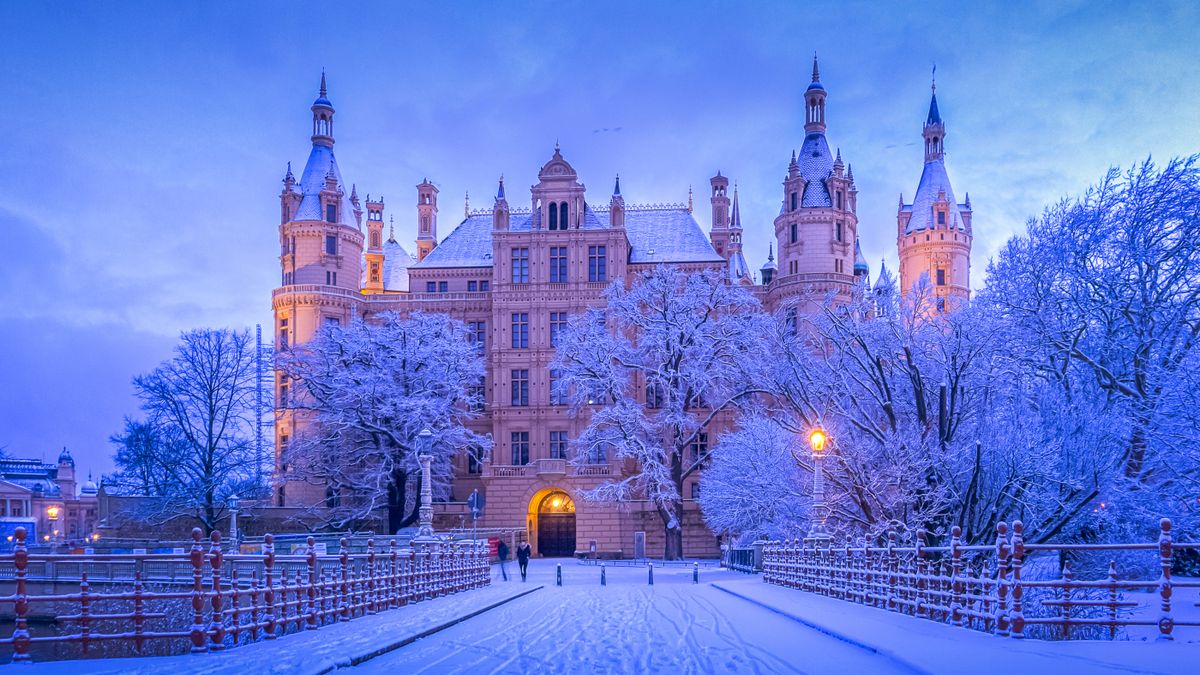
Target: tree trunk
673	531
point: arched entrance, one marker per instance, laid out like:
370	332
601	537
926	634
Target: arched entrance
555	524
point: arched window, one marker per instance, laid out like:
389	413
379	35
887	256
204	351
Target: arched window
553	216
562	216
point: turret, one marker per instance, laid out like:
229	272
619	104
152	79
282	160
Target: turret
557	200
426	218
322	111
616	207
66	474
814	103
719	232
500	212
289	199
769	268
375	255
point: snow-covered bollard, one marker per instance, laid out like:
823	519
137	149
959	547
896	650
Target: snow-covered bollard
558	575
695	572
651	574
603	581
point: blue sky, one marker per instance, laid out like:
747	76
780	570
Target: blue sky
144	142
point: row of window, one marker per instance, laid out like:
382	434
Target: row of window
597	264
519	445
838	232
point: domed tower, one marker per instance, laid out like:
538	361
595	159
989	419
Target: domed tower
427	210
65	478
321	257
933	233
817	223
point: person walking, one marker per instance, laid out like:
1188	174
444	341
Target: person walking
502	553
524	550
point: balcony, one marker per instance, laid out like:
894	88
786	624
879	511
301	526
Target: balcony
550	467
505	471
587	470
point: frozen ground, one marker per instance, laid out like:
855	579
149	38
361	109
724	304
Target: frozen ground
729	623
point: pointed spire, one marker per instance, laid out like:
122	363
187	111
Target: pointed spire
617	185
690	205
500	191
968	202
354	192
771	252
467	205
289	178
324	91
736	219
392	229
850	172
860	261
816	71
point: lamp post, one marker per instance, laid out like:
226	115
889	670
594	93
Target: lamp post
52	513
233	528
425	512
817	438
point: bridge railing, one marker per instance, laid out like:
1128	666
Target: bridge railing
232	599
986	587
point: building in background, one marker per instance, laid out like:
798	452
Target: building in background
47	500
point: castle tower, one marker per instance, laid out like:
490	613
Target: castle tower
818	222
65	478
427	238
719	232
739	271
933	233
558	198
321	258
373	283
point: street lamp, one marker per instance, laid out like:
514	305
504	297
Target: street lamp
52	513
817	438
233	528
425	512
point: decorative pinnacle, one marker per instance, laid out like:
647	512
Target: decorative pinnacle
500	192
323	90
816	72
771	252
617	186
689	198
467	204
391	228
933	79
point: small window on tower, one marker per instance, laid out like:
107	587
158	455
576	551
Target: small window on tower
793	233
839	230
331	244
331	213
941	217
839	199
795	201
941	277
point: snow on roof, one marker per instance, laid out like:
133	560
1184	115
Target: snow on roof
655	235
934	181
738	269
396	262
816	164
320	162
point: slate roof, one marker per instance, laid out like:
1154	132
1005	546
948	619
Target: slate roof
816	164
312	181
396	262
934	180
655	235
860	261
934	117
738	269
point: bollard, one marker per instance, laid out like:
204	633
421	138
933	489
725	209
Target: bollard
603	581
558	575
695	572
651	574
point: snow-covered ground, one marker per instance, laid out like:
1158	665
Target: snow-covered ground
629	626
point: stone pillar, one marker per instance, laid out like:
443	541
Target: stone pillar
425	513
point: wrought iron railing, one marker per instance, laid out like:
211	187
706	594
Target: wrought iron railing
984	587
232	599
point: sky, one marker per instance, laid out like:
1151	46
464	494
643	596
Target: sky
144	143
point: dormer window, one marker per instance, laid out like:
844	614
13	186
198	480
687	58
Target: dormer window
331	213
941	217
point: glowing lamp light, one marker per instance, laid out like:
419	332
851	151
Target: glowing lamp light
52	512
46	537
556	502
817	438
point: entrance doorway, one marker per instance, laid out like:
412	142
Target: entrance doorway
556	525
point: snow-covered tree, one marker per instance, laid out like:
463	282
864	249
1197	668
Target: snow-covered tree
752	487
655	367
366	390
200	404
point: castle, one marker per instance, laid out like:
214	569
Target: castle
514	273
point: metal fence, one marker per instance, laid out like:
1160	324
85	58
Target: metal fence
746	559
234	598
983	586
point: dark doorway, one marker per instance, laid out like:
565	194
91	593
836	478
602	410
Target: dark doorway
556	526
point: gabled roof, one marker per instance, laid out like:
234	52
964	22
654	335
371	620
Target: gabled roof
655	235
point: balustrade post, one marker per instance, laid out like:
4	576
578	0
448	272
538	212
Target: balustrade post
956	581
1165	554
1018	591
343	596
269	590
85	628
922	571
20	636
1113	599
217	626
139	619
198	637
1002	582
255	607
371	606
892	566
235	628
310	557
1068	596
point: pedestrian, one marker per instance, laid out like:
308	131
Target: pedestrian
502	553
524	550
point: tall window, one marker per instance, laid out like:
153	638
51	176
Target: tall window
700	446
941	217
375	240
558	323
793	233
283	394
790	320
520	265
331	213
520	387
283	334
654	395
553	215
598	454
795	202
562	216
839	199
597	263
520	330
474	465
941	304
331	244
596	394
330	278
520	448
477	332
941	277
485	285
558	395
558	264
558	445
839	230
478	395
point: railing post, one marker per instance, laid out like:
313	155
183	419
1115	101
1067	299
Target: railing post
956	582
1165	554
921	585
1113	599
255	606
269	589
1002	583
393	581
20	636
139	619
198	637
310	558
371	607
1068	595
343	596
85	628
1018	556
235	625
603	579
217	626
891	566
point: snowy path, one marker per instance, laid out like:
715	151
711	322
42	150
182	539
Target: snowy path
628	627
